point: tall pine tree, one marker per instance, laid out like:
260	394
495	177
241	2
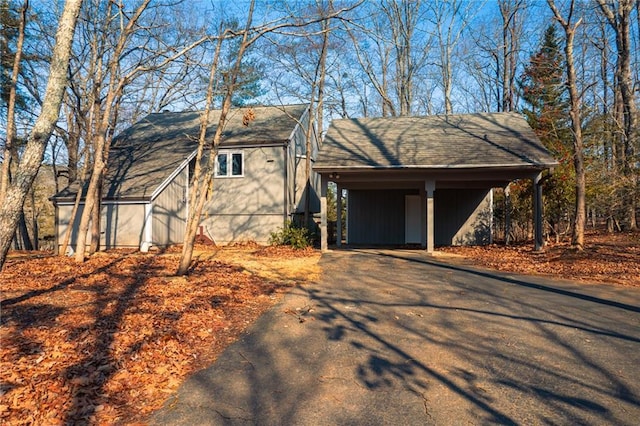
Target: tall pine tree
543	89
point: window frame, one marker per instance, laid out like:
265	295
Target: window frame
229	162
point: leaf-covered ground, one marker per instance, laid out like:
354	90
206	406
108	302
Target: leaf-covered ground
607	258
105	342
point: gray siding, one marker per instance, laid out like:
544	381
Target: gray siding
252	206
122	224
227	229
297	170
463	216
170	212
64	217
377	216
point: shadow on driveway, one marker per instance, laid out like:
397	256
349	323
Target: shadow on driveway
398	337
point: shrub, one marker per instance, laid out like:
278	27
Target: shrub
291	235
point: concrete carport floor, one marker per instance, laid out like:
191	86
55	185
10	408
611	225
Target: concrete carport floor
400	337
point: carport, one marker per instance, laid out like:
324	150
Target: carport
427	180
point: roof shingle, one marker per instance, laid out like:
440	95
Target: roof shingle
143	156
433	142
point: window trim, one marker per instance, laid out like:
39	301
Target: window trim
229	154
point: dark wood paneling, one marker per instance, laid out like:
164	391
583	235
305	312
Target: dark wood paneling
376	217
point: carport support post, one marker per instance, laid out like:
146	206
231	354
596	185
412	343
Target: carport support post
423	218
323	212
537	212
339	216
507	214
430	187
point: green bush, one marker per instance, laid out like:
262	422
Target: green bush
291	235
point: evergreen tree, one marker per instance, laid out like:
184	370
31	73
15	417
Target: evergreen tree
247	87
543	89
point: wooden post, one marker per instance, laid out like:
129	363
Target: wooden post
423	218
339	216
507	214
430	186
323	213
537	212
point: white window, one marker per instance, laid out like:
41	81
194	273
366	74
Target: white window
230	164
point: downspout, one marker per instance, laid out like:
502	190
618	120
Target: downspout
56	239
286	181
187	191
147	233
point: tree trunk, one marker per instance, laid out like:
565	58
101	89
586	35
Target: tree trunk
91	200
37	141
577	239
203	172
96	218
620	21
23	241
72	143
103	134
5	176
315	113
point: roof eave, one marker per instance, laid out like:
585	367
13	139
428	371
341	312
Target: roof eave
133	200
536	166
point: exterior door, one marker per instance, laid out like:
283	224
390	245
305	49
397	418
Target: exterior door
412	219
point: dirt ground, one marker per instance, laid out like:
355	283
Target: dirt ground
107	341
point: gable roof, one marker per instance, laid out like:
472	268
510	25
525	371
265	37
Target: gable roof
432	142
145	155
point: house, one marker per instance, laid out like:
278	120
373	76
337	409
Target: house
427	180
259	179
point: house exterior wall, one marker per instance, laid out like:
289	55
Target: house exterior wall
296	153
169	212
121	224
377	216
251	206
63	219
228	229
463	216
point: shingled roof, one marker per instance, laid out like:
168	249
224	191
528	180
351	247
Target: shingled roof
143	156
483	140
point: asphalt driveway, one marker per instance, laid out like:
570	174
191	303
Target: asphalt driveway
399	337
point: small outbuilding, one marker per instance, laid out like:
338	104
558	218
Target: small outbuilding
427	180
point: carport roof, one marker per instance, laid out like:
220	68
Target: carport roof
466	141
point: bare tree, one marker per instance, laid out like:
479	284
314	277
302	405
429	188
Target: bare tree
569	27
620	20
116	63
204	175
202	186
32	158
510	12
102	118
450	18
10	155
400	50
302	58
316	109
